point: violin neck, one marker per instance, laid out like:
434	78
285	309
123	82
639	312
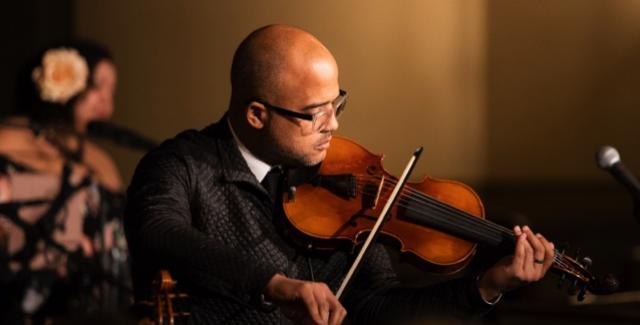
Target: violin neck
458	223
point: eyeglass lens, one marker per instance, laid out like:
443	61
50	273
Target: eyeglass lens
321	119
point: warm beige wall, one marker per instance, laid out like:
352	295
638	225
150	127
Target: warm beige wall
414	69
500	91
563	79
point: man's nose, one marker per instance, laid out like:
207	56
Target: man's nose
333	123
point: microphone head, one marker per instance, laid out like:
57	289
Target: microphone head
607	156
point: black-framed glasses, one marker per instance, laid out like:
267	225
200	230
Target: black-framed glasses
320	119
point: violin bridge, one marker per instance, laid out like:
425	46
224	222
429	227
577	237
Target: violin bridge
380	186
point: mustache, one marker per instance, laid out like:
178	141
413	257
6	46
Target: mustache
325	139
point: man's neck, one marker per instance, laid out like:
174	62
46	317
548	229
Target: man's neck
258	167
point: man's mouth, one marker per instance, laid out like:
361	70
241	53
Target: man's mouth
324	144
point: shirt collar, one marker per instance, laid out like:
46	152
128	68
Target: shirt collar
258	168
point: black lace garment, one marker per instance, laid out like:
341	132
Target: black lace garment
44	232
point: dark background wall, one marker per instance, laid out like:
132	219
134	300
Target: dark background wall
27	26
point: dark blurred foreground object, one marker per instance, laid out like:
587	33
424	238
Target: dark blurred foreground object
162	307
119	135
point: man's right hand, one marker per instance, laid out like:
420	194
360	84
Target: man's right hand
305	301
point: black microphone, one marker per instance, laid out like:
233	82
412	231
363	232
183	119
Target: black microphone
608	159
120	135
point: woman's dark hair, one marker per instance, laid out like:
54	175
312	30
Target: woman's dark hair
45	113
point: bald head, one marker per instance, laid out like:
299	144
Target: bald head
273	60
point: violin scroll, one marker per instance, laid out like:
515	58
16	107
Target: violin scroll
583	280
162	301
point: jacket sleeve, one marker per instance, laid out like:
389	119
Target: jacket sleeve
376	297
158	222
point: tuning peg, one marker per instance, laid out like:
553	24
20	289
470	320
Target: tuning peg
562	247
291	193
573	288
563	277
582	293
578	252
586	264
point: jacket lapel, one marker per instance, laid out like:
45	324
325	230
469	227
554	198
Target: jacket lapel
234	167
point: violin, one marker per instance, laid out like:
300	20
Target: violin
439	221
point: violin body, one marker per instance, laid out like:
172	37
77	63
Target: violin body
330	213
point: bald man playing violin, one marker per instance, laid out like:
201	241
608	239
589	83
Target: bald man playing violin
198	207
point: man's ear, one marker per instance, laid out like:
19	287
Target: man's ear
256	115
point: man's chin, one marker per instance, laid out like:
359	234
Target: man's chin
315	159
311	158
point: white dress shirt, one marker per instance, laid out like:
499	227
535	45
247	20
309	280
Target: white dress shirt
258	168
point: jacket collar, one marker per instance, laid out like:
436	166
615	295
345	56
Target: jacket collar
258	168
233	165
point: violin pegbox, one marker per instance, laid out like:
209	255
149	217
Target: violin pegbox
583	280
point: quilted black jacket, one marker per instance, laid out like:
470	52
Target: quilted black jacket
195	208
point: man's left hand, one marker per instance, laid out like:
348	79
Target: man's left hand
532	259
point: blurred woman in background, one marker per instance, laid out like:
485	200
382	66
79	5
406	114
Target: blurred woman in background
61	245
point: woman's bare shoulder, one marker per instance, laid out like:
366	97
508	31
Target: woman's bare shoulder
15	135
103	166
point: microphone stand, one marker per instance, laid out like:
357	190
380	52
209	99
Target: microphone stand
120	136
636	206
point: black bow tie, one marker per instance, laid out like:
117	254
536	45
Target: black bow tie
271	182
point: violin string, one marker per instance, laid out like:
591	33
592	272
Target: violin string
445	219
456	213
471	222
559	258
424	199
436	212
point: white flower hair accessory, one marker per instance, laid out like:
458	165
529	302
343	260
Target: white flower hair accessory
61	75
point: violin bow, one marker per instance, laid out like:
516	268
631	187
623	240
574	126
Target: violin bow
381	219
